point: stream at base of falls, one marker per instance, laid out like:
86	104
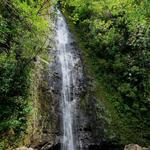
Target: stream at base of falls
71	72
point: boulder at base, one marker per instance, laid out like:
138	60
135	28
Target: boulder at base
135	147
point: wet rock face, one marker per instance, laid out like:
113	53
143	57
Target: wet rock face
105	146
83	120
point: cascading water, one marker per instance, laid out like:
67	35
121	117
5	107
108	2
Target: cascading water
71	76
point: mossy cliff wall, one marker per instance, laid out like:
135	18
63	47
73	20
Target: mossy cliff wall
42	120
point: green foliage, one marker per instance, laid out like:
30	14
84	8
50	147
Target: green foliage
116	38
23	29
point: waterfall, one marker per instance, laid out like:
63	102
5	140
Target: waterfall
71	76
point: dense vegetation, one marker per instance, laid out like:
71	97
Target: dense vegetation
23	31
115	35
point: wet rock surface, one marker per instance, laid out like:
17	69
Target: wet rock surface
87	130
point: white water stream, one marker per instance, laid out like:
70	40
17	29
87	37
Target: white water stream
71	73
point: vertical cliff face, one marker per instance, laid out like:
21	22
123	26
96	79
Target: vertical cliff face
65	115
93	118
71	107
42	129
68	84
73	96
71	75
43	126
